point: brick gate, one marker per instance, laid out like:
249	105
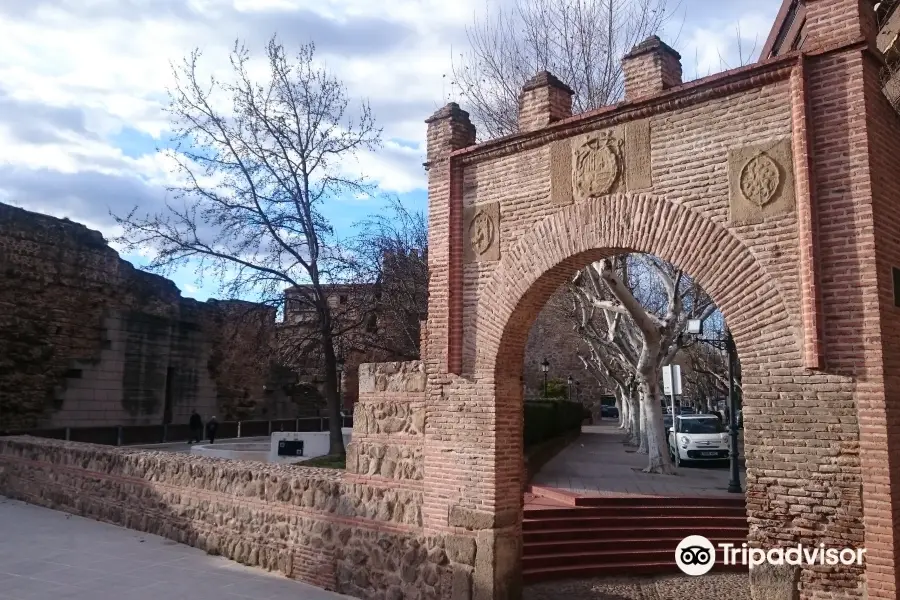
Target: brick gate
776	187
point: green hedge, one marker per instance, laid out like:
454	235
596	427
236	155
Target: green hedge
548	419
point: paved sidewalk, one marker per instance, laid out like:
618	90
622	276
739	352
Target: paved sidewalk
49	555
598	464
185	448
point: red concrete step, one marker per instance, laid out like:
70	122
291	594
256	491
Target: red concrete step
573	499
687	501
647	542
534	575
618	532
620	556
635	511
638	522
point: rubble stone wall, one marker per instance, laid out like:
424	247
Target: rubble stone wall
320	526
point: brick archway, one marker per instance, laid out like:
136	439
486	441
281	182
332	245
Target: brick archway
558	245
548	254
797	270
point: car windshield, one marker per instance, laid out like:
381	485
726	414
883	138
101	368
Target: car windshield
700	426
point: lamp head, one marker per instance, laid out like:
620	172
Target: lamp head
695	326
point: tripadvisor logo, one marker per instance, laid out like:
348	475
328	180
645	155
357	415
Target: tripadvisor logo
696	555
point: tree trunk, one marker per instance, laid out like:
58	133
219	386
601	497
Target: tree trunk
634	413
643	447
623	410
658	454
621	407
332	397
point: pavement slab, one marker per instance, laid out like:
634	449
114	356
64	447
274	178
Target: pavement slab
47	554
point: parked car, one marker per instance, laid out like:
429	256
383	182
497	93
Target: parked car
609	412
699	438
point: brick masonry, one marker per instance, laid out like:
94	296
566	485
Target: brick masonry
432	496
807	144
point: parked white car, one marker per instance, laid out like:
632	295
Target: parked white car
698	438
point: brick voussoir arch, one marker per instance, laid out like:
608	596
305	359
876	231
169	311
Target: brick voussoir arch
574	235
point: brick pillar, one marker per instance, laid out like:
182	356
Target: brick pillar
834	22
449	129
650	68
544	100
853	199
454	450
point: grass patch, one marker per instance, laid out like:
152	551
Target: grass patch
326	462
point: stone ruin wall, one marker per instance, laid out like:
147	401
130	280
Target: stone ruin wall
553	336
87	339
357	532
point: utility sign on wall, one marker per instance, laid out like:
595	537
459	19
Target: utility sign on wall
672	380
290	448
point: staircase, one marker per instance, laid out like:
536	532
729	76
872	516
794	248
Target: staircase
616	536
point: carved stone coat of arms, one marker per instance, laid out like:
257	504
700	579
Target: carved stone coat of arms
598	166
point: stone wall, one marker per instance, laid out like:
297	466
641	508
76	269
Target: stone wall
87	339
389	422
323	527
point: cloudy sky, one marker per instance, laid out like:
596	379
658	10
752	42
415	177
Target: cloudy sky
83	84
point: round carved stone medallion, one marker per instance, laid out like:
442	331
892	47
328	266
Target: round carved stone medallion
596	167
482	232
760	179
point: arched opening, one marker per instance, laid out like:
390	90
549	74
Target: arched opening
592	510
546	256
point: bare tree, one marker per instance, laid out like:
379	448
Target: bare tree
890	74
257	161
580	41
643	305
613	344
391	250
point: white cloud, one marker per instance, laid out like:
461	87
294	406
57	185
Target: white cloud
721	44
109	60
81	71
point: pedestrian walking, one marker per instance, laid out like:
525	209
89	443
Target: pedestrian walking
196	426
211	429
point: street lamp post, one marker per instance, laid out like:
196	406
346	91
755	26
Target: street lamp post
569	388
545	367
734	485
695	327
